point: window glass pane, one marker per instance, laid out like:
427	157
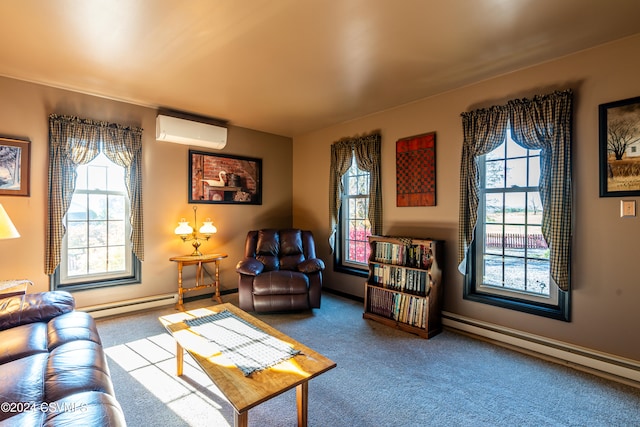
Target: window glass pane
352	185
515	208
97	260
516	173
97	206
534	209
492	270
78	208
116	207
115	181
514	150
363	184
77	262
97	176
496	153
493	239
494	177
117	256
534	171
514	240
77	234
538	276
97	233
116	232
514	273
81	178
494	207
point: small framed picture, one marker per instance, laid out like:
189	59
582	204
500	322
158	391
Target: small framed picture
14	167
620	148
224	179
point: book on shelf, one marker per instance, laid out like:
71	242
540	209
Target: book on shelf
409	255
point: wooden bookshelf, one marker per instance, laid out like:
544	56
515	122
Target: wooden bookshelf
404	289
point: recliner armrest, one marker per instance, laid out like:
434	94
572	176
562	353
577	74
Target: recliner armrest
250	267
312	265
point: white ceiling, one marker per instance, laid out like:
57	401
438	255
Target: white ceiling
292	66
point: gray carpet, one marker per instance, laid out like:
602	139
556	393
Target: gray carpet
384	377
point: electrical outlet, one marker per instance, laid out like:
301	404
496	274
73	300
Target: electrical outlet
627	208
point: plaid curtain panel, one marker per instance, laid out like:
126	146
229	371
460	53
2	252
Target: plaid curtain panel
73	142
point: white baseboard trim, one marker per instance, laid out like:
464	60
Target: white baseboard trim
128	306
602	364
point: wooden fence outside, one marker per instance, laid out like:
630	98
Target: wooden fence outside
516	241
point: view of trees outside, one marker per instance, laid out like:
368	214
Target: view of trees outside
96	220
515	254
623	148
358	228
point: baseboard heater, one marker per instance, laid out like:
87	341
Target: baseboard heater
128	306
605	365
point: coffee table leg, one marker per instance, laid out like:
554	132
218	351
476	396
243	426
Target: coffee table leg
241	419
302	400
179	359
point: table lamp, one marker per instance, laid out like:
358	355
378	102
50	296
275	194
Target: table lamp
188	234
7	229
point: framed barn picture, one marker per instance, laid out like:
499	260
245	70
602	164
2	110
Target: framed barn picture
224	179
620	148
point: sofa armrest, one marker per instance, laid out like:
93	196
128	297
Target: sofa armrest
312	265
31	308
250	267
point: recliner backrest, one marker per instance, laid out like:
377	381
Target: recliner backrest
279	249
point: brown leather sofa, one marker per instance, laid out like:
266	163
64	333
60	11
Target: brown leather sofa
280	271
53	370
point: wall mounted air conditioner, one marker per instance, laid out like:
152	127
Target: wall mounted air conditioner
189	132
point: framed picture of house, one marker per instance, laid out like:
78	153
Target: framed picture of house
416	170
620	148
14	167
224	179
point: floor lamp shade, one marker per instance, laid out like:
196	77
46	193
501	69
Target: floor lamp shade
7	229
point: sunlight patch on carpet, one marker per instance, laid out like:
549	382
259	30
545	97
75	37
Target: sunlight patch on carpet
151	362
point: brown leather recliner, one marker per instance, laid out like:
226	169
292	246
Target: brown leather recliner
280	271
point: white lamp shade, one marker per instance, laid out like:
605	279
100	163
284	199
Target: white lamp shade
7	229
208	227
183	228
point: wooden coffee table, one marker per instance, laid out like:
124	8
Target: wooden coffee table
246	392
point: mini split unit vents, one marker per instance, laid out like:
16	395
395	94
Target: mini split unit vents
189	132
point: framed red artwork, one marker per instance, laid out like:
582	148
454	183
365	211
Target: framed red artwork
416	170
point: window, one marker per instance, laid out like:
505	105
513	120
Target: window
355	201
515	184
96	246
510	265
94	217
354	227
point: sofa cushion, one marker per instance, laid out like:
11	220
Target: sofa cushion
22	381
37	307
69	327
280	282
23	341
75	367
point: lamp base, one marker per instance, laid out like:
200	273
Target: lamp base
196	251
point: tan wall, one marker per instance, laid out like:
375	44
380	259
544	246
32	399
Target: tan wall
24	112
606	287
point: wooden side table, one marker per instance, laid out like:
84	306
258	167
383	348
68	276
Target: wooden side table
198	261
